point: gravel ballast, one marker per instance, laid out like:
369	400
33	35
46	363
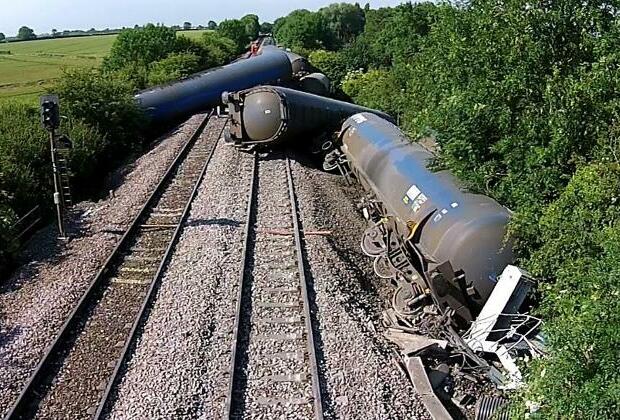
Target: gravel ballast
35	300
362	378
180	364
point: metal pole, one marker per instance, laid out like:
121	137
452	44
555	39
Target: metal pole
57	193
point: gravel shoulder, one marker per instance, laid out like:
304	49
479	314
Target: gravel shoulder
35	300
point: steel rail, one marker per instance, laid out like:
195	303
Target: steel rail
28	398
242	276
156	278
303	282
310	343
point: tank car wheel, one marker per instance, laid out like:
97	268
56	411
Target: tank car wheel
383	268
401	301
372	243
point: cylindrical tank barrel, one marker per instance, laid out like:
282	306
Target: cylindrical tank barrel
268	114
299	64
203	90
467	230
315	83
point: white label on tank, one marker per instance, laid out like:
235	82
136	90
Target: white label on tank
267	111
417	204
444	211
413	192
359	118
437	217
454	205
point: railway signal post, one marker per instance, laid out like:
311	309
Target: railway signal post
50	119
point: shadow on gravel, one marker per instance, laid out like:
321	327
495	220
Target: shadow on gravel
211	222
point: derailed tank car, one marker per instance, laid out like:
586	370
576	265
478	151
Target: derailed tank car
269	115
168	103
426	233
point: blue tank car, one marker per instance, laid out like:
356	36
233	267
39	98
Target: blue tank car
427	234
181	99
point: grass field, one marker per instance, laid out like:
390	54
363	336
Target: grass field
31	67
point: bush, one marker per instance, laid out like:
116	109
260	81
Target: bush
105	102
581	236
331	64
219	50
173	67
378	89
303	30
235	30
8	245
26	176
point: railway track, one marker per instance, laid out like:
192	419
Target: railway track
274	371
78	371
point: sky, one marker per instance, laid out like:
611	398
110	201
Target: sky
43	15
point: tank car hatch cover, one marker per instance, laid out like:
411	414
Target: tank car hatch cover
359	118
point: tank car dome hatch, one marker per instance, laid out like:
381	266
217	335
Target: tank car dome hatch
460	236
262	116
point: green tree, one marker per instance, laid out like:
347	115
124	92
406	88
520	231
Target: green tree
345	20
2	37
142	46
266	28
25	33
219	49
304	30
212	25
104	101
330	63
235	30
187	26
581	250
174	67
252	26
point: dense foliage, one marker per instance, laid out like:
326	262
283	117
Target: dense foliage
25	175
157	54
303	30
142	46
102	118
173	67
523	100
235	30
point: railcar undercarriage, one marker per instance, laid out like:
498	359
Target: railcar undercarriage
469	354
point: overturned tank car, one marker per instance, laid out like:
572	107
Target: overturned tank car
270	115
180	99
429	236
